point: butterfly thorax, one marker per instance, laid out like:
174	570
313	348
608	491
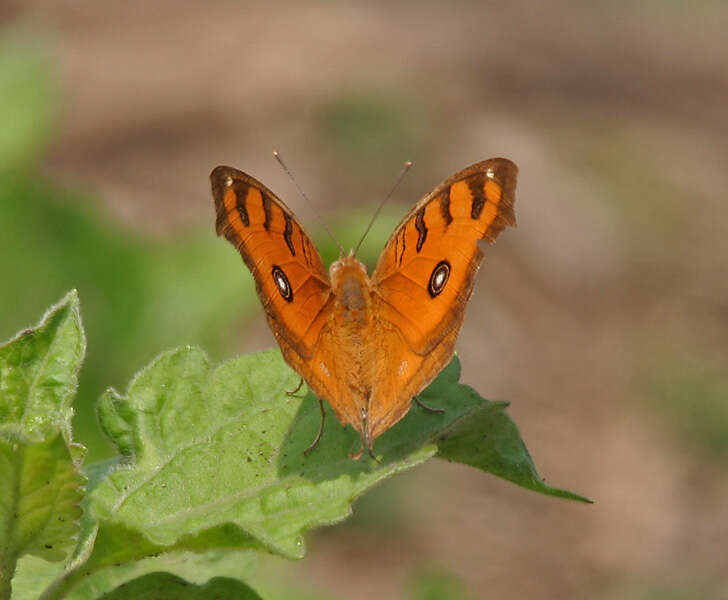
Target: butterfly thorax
352	293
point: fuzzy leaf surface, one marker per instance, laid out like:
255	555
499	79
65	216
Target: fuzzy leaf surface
41	484
215	457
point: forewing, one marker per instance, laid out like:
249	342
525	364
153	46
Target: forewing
289	274
426	272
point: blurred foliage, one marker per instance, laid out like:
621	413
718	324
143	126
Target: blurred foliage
652	213
689	389
437	584
663	590
26	107
348	229
373	129
427	583
276	591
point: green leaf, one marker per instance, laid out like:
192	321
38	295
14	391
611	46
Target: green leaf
214	449
484	436
89	583
163	586
32	576
197	569
213	459
130	558
41	485
39	375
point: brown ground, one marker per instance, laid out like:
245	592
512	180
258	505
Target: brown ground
614	117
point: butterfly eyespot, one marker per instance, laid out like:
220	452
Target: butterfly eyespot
439	277
282	283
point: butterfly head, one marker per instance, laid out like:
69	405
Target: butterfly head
347	267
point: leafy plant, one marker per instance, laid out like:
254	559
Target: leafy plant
39	463
210	468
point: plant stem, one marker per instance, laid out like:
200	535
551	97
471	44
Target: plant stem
8	553
61	586
8	562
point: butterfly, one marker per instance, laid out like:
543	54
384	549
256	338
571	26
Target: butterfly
368	345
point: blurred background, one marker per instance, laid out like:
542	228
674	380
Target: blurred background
603	318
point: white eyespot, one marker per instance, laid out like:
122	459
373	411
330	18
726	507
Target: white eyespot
490	173
363	414
228	181
325	369
439	278
401	368
281	281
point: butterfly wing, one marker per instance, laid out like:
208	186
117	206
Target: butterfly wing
289	274
425	276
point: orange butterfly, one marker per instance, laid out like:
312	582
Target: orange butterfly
369	346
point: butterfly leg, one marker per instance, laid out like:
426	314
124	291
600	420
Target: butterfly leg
365	443
298	387
373	456
370	451
317	439
357	455
426	407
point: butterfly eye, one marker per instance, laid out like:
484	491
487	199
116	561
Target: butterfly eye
281	281
439	278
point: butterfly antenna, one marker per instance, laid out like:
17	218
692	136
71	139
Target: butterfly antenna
402	173
300	191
